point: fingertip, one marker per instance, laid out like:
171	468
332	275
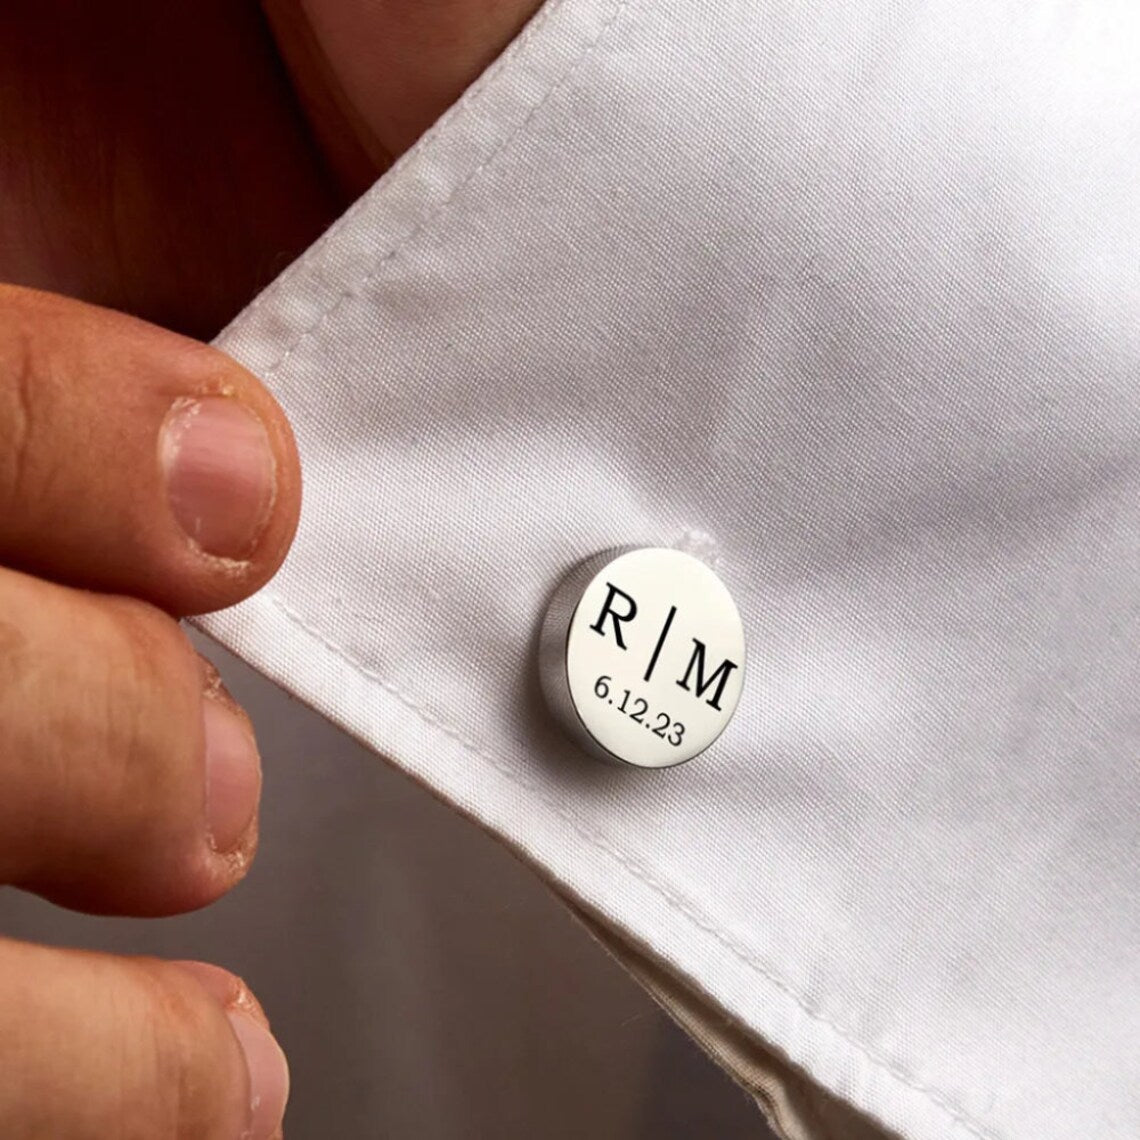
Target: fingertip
106	1043
232	479
139	462
225	987
265	1060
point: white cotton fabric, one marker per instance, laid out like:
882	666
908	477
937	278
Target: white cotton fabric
846	296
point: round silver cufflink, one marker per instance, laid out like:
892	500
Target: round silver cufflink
641	656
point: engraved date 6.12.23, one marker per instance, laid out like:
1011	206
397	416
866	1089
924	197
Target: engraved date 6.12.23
637	709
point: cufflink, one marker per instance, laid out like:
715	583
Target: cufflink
641	656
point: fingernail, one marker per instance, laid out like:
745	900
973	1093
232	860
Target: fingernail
233	775
220	474
268	1076
226	988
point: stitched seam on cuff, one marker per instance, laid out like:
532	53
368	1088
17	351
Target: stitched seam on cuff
356	289
469	99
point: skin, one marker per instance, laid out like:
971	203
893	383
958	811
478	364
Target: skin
160	164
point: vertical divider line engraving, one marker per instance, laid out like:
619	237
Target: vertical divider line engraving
660	643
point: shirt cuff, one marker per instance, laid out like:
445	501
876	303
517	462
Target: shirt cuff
845	302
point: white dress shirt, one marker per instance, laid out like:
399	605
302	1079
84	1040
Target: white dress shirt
845	299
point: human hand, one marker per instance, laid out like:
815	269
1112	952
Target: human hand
142	476
155	160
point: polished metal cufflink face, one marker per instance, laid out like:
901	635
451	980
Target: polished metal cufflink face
642	656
